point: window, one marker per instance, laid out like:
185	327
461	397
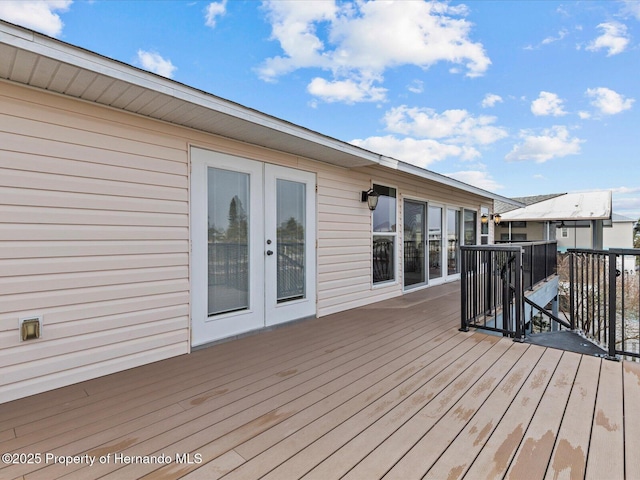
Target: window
453	241
384	235
518	224
484	227
470	227
515	237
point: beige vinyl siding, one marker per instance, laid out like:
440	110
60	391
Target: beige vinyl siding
94	236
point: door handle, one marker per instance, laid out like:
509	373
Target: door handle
269	252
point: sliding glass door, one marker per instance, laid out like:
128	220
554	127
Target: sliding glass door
435	242
453	241
415	273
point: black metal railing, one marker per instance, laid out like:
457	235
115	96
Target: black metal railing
493	280
291	271
604	297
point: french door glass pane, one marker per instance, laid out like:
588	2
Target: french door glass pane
435	242
414	243
228	240
453	241
291	222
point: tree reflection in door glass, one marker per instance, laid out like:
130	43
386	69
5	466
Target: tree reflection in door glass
228	241
290	220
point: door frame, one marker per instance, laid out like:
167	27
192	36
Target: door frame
206	329
276	313
425	260
232	323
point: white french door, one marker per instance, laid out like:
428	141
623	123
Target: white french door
253	245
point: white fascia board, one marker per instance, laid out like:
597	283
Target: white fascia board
443	179
39	44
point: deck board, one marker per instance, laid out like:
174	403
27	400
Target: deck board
607	434
388	390
474	435
543	429
631	416
569	457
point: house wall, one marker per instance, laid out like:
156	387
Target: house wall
344	224
94	236
619	235
581	237
535	231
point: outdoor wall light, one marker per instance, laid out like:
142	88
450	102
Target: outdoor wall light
371	198
496	218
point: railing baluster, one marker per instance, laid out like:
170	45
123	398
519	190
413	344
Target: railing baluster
612	305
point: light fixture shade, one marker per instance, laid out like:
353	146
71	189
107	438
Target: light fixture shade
497	218
371	197
484	219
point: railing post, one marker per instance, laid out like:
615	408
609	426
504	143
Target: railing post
489	284
572	302
464	321
519	303
612	307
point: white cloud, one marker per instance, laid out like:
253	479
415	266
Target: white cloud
456	126
553	142
561	34
416	86
547	103
629	206
584	115
347	91
476	178
417	152
490	99
366	38
631	8
608	101
213	11
155	63
614	38
35	14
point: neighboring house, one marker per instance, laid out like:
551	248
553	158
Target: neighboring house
620	235
575	220
140	218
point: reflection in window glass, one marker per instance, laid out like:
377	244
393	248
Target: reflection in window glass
453	241
384	234
414	243
290	218
484	227
228	246
435	242
470	225
384	216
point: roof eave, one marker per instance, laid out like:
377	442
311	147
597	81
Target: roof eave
443	179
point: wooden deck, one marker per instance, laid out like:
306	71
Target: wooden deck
391	390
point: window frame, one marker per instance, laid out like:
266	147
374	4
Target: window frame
393	233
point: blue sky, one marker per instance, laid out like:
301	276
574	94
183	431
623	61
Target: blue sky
518	97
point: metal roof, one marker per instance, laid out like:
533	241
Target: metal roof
502	207
617	218
570	206
33	59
